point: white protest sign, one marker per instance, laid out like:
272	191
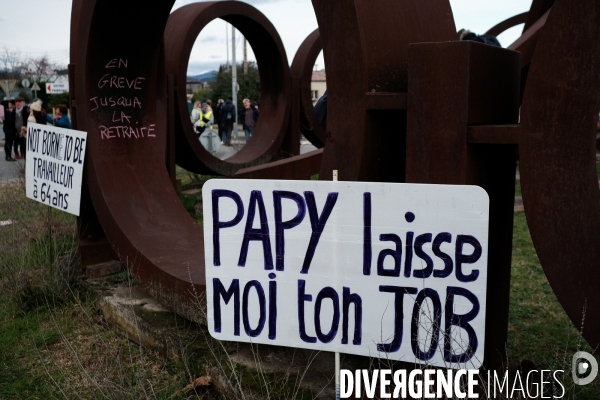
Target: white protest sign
385	270
54	167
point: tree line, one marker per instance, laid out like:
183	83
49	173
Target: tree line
220	88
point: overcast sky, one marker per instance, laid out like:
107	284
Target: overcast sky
42	27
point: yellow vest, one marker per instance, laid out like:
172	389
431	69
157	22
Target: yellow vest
207	116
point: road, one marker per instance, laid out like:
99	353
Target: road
238	142
9	170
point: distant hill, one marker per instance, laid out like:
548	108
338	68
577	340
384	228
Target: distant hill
207	76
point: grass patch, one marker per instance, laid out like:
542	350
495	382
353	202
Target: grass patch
190	180
189	203
53	343
539	329
192	201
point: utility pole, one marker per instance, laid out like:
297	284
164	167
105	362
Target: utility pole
233	72
227	44
245	57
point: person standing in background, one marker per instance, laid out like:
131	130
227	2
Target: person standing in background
37	115
206	119
228	118
196	113
62	117
320	111
9	134
249	118
217	115
16	121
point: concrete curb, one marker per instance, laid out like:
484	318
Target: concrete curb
133	313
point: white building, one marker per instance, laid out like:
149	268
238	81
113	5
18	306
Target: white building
318	85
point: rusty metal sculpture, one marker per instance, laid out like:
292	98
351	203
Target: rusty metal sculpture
405	110
453	79
130	188
367	117
557	148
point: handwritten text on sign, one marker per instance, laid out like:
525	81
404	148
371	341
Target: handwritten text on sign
376	269
54	167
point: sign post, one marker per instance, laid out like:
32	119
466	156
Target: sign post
389	270
35	88
54	167
337	353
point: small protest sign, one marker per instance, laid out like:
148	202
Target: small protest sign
54	167
388	270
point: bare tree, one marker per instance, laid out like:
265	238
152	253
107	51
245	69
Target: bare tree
40	70
12	62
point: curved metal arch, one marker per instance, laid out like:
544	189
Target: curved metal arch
130	188
557	149
301	69
508	23
181	31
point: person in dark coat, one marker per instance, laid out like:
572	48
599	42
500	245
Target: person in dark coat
228	121
320	111
9	134
16	124
249	118
217	115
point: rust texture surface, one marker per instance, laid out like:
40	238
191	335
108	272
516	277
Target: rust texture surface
301	70
558	160
125	172
369	145
414	105
453	79
299	167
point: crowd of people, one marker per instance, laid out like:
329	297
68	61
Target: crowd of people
16	115
225	118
